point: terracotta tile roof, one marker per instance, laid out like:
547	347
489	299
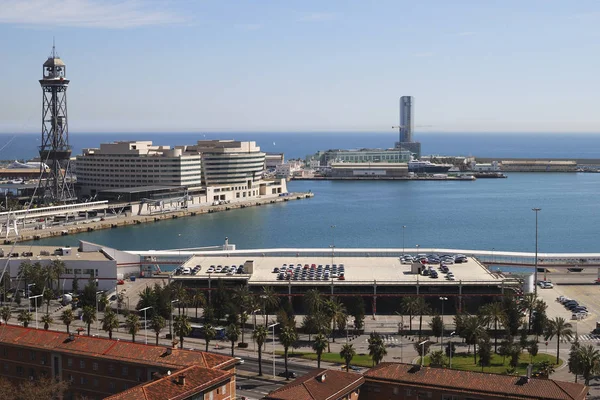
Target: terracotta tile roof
477	382
103	348
310	387
197	379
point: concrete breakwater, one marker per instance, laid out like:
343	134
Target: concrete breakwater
128	219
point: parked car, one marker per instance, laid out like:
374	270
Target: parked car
290	374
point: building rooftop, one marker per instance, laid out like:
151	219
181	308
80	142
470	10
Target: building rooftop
102	348
384	270
180	385
38	250
319	384
483	384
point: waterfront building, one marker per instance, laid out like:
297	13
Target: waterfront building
538	166
99	368
381	170
272	160
396	155
321	384
131	164
208	171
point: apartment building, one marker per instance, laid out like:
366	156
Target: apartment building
99	368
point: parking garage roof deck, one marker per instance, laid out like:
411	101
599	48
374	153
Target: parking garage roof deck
358	270
37	256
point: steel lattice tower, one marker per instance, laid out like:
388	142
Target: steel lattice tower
55	151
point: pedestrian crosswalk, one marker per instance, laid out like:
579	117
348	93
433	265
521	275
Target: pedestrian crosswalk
387	339
583	338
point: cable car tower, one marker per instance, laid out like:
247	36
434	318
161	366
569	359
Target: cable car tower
55	152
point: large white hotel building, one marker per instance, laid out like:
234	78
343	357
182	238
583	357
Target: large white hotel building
210	170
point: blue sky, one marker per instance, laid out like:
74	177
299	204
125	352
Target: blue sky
193	66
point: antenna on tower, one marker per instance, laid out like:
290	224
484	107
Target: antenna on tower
53	48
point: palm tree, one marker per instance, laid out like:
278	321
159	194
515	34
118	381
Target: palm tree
528	304
336	311
314	301
47	320
495	313
179	292
437	358
560	328
589	362
269	301
89	317
25	317
233	334
288	336
198	300
422	308
58	268
546	368
472	331
157	324
376	348
133	326
410	307
5	313
209	334
319	345
347	353
182	327
241	297
67	317
260	336
110	322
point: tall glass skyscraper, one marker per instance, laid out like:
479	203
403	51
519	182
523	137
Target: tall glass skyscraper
406	119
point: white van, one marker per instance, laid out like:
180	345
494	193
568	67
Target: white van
186	271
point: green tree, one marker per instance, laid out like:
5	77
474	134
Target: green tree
485	353
67	317
25	317
560	328
18	297
157	324
182	327
233	334
269	301
528	305
589	362
75	284
319	345
347	353
314	301
5	313
546	369
209	334
287	336
133	326
198	301
422	309
48	296
533	349
437	359
89	317
409	306
539	319
110	322
472	331
495	313
260	336
437	326
574	362
336	311
512	315
47	320
377	348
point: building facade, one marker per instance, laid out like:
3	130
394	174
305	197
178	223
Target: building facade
407	120
99	368
538	166
380	170
328	157
133	164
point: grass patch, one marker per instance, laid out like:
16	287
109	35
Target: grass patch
499	364
360	360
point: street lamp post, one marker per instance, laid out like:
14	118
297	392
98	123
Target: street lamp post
253	313
273	326
443	299
535	274
146	322
450	347
171	319
422	344
332	243
403	248
97	312
36	315
27	294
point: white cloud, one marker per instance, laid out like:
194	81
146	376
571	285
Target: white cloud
108	14
317	17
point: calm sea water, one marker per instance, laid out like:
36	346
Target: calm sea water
484	214
296	145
